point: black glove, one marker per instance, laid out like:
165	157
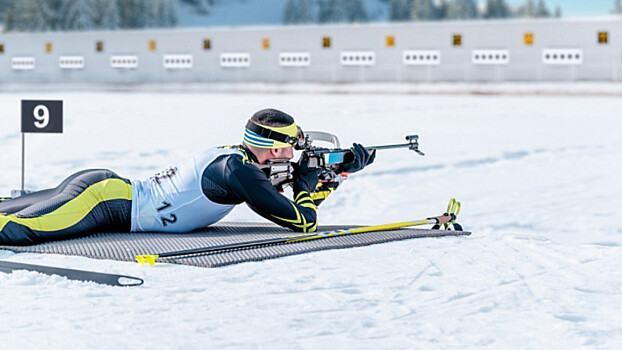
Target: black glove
362	158
305	179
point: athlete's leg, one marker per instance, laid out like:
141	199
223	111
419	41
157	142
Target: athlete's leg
14	205
93	201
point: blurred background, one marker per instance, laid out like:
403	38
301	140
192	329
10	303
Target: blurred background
326	41
44	15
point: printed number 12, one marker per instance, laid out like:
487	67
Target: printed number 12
171	219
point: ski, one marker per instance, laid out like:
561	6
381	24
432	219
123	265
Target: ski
437	221
77	275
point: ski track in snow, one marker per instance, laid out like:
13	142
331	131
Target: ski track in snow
538	178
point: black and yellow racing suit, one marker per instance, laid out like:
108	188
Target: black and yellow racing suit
98	200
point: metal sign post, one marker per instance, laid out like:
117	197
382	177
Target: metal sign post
23	158
39	116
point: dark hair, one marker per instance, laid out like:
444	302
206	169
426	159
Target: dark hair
272	117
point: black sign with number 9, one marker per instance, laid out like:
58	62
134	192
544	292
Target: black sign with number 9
42	116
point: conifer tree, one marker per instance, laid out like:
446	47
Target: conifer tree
462	9
354	10
323	12
128	10
339	12
331	11
4	7
24	15
42	17
202	6
399	10
168	14
441	9
146	15
542	10
497	9
108	13
289	12
529	9
305	11
78	14
471	9
423	10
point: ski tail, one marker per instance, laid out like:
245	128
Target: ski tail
77	275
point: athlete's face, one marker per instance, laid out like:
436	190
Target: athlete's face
282	153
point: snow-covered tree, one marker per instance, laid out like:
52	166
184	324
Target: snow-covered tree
168	15
203	6
4	6
28	15
542	10
617	7
527	10
399	10
339	13
497	9
146	16
305	11
442	9
128	10
43	15
21	16
324	11
423	10
355	10
297	11
462	9
108	14
78	14
331	11
558	11
8	12
290	11
472	10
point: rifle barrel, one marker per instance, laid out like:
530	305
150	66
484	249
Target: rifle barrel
401	145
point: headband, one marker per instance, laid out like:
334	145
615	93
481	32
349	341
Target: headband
263	136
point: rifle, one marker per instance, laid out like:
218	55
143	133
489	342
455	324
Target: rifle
330	160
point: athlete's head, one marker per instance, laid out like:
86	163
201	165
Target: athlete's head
271	134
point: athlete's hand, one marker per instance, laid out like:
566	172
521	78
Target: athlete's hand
362	158
305	177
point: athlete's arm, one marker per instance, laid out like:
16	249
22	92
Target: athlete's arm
247	183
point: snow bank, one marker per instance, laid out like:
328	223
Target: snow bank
538	177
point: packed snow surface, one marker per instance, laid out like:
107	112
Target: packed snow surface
539	181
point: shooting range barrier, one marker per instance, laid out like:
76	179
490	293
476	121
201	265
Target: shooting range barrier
483	50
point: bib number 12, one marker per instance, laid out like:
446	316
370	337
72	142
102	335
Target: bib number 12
167	219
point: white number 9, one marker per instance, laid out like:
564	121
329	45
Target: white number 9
42	120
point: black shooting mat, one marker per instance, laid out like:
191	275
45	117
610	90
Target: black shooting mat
125	246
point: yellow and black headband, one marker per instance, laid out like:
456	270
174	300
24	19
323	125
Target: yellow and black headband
263	136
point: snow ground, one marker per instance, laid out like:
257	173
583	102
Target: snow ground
538	177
